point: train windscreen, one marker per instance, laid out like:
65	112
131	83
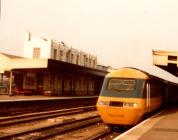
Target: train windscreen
122	87
121	84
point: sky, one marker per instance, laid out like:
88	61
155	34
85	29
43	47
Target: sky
119	32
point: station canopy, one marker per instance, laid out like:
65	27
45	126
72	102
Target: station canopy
157	72
53	66
15	63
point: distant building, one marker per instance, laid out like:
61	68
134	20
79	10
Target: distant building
50	67
51	49
26	76
167	60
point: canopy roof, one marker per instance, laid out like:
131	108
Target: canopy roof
15	63
157	72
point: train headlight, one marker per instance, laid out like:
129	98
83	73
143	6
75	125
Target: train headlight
103	103
126	104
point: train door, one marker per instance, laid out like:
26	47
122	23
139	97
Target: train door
148	97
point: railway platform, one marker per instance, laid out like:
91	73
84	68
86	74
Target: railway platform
21	97
162	126
17	98
10	105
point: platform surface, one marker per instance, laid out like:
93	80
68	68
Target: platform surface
15	97
162	126
7	98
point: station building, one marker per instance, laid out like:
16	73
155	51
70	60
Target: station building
167	60
57	50
50	68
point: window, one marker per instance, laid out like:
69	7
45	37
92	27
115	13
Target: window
121	84
61	55
94	63
72	57
156	89
77	60
172	58
36	52
84	59
67	57
90	62
55	54
30	81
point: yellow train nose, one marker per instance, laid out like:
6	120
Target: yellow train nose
120	116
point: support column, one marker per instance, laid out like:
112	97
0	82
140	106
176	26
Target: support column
1	77
10	84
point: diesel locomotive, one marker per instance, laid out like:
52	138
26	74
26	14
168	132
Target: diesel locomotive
129	93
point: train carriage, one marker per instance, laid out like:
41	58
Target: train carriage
129	93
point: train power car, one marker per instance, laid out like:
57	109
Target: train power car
129	93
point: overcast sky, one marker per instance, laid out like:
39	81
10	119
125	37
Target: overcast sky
119	32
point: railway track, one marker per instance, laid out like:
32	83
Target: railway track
50	127
97	131
11	108
6	121
58	124
89	132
